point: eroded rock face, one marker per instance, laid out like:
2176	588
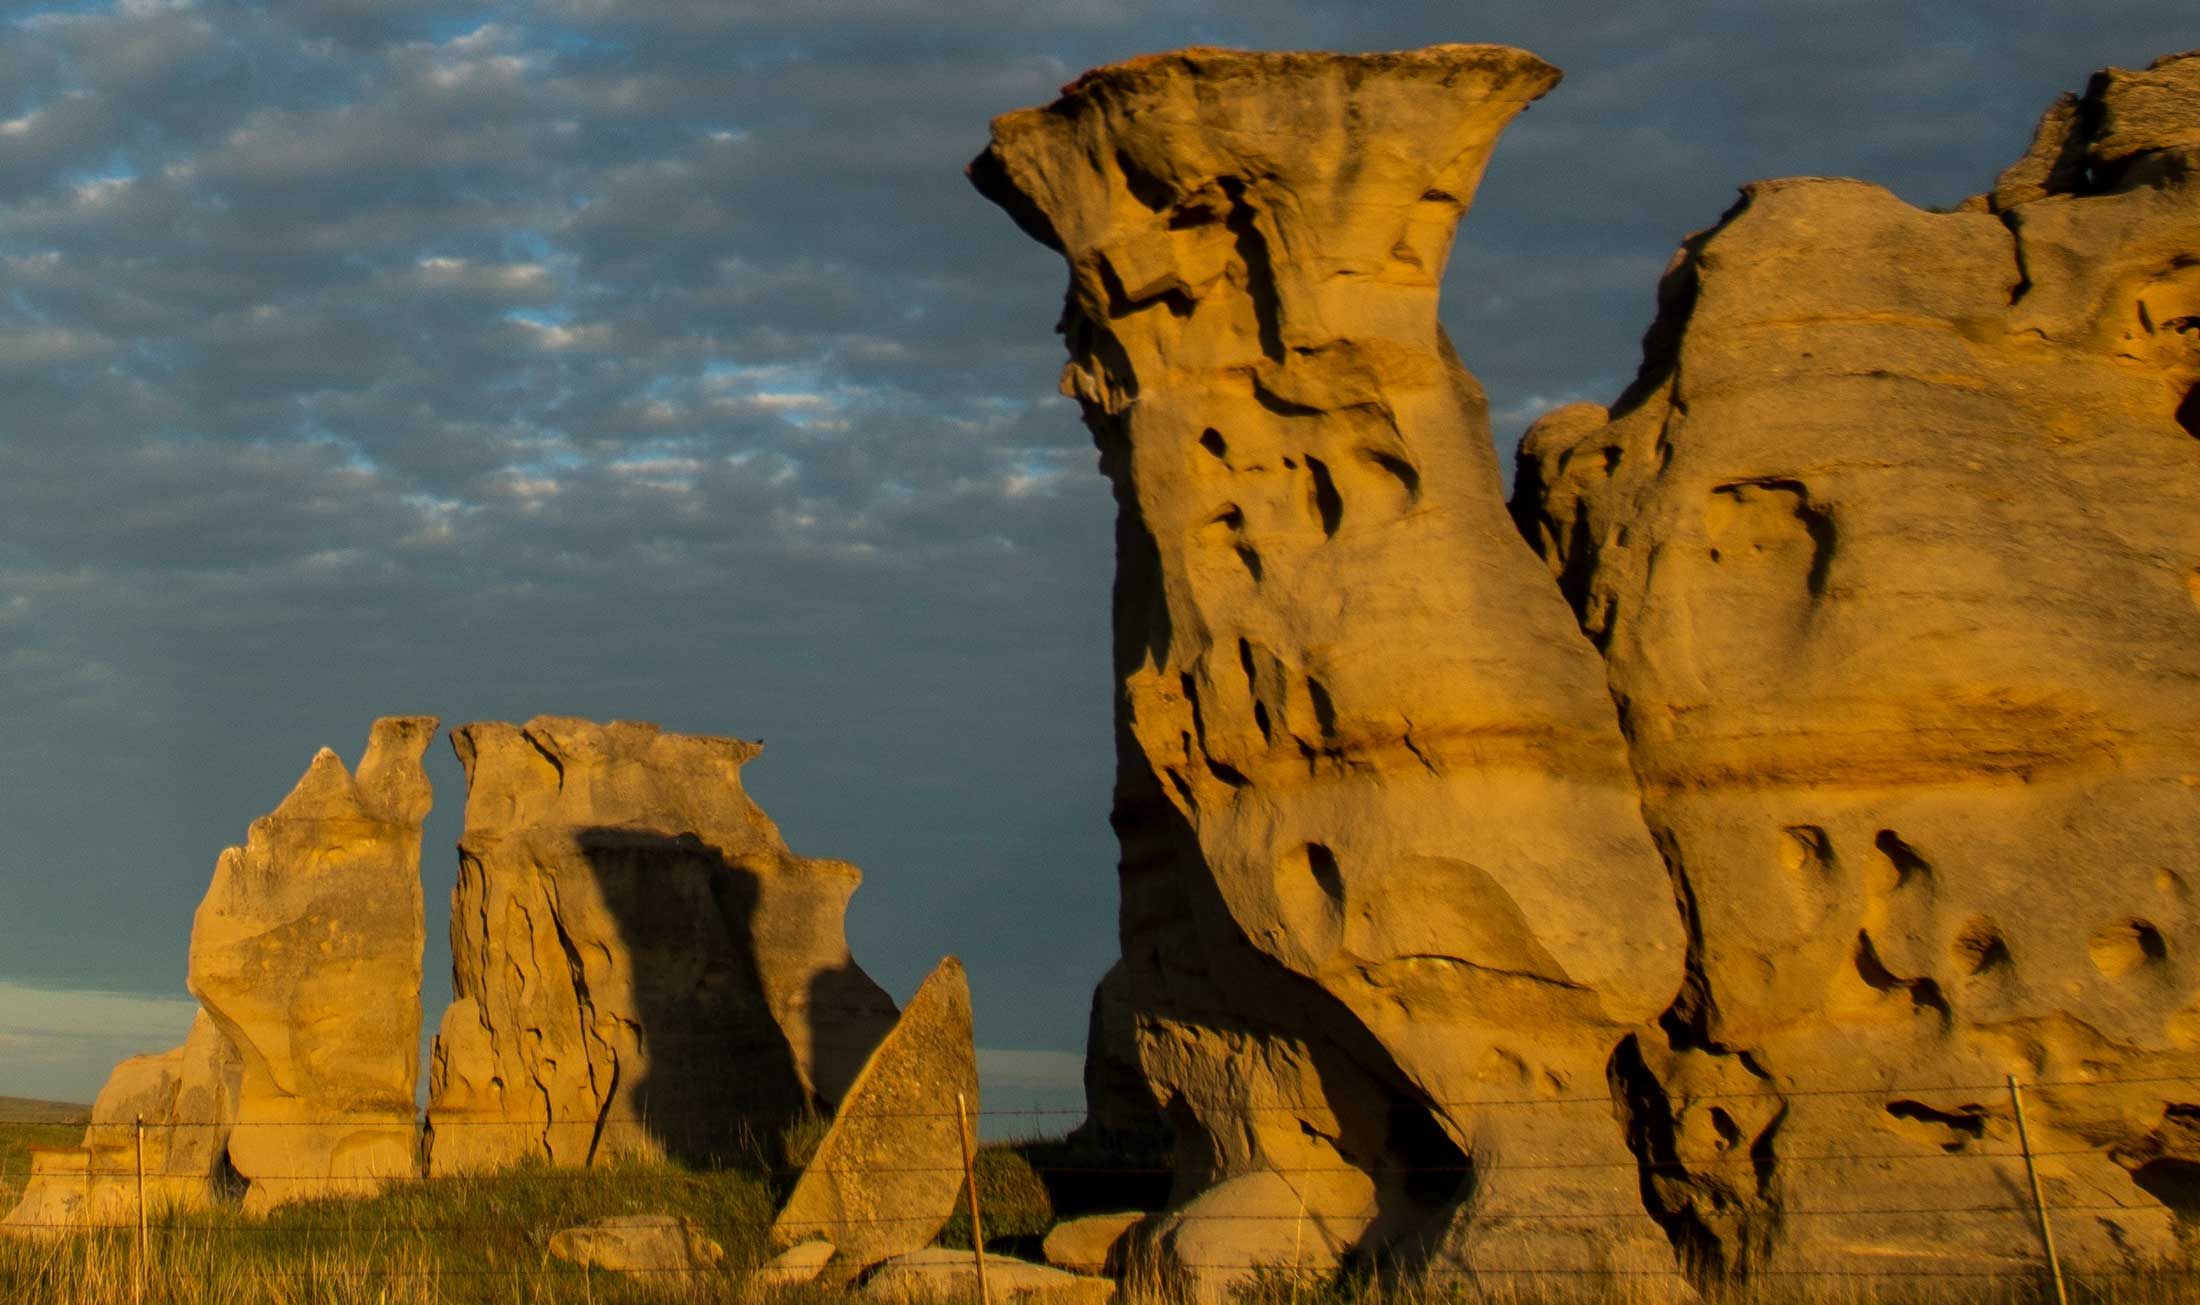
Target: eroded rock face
883	1182
1893	551
1382	858
641	965
306	954
187	1098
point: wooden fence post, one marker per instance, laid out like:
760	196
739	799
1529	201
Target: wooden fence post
970	1180
137	1290
2039	1201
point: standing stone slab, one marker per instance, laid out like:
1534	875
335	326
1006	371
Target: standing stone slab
885	1179
306	953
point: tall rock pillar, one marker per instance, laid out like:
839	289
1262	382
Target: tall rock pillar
1384	873
306	953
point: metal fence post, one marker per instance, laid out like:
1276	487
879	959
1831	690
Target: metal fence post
2039	1202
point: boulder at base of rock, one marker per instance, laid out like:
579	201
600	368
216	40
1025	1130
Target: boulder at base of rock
1082	1245
661	1246
938	1272
885	1179
1212	1245
187	1097
797	1265
306	953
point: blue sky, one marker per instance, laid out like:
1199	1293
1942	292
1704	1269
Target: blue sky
652	359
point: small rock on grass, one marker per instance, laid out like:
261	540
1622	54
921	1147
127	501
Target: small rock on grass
939	1271
1082	1245
655	1244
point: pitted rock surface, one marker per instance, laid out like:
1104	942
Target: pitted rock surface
1382	849
1893	552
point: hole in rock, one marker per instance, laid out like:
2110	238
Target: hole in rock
2188	412
1806	847
2175	1183
1322	864
1404	472
1980	947
1923	993
1250	556
1328	504
1228	774
1211	440
1260	718
1730	1133
1967	1124
2127	945
1325	710
1909	867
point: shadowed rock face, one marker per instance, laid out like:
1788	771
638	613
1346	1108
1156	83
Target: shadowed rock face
1893	551
640	964
306	954
1382	856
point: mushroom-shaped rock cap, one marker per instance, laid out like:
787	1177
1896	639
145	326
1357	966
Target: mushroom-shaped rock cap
1334	131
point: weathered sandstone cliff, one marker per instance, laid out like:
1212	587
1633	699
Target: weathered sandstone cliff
1893	551
640	964
1384	875
306	953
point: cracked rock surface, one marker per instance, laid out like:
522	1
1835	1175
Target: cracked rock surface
641	965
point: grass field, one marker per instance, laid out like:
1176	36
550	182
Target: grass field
486	1240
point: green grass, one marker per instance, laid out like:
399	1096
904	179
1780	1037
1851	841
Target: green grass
445	1240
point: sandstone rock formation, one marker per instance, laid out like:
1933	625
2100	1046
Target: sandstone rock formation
306	954
187	1098
1893	551
1084	1245
663	1250
1382	858
640	963
941	1273
884	1180
800	1263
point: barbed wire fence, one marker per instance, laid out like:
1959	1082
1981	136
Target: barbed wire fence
2034	1208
